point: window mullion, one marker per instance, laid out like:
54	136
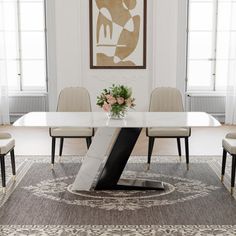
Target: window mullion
214	43
19	45
46	44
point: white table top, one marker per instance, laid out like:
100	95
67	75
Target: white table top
133	119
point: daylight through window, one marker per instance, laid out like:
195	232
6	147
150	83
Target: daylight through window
208	44
24	32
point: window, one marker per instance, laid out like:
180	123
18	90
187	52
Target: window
25	44
208	41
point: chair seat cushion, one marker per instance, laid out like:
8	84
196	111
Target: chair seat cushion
229	144
168	132
6	143
71	132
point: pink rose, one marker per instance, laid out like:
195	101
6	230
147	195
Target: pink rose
111	100
106	107
120	100
108	96
129	102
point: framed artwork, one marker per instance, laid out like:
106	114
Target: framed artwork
118	34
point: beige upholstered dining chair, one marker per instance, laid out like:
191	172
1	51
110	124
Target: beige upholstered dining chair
229	146
72	99
7	144
166	99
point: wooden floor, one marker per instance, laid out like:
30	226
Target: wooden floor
36	141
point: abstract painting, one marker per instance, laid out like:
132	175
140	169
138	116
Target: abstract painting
118	34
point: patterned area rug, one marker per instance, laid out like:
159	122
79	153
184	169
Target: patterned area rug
194	202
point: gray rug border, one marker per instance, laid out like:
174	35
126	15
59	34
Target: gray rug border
149	230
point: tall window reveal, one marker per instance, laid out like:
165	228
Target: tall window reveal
208	44
118	34
24	31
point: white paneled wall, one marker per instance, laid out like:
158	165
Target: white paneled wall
72	51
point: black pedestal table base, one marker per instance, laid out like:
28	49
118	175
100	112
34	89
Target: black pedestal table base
109	178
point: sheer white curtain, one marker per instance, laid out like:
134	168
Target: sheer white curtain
231	86
4	101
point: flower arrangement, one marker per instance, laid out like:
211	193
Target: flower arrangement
116	100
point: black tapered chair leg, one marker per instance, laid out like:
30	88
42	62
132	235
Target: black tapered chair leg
13	163
187	152
150	148
224	156
61	146
179	146
88	141
53	151
233	173
3	171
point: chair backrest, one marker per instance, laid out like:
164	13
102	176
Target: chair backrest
166	99
74	99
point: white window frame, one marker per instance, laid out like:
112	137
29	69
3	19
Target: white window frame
19	90
212	87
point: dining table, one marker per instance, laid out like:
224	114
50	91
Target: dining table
113	143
